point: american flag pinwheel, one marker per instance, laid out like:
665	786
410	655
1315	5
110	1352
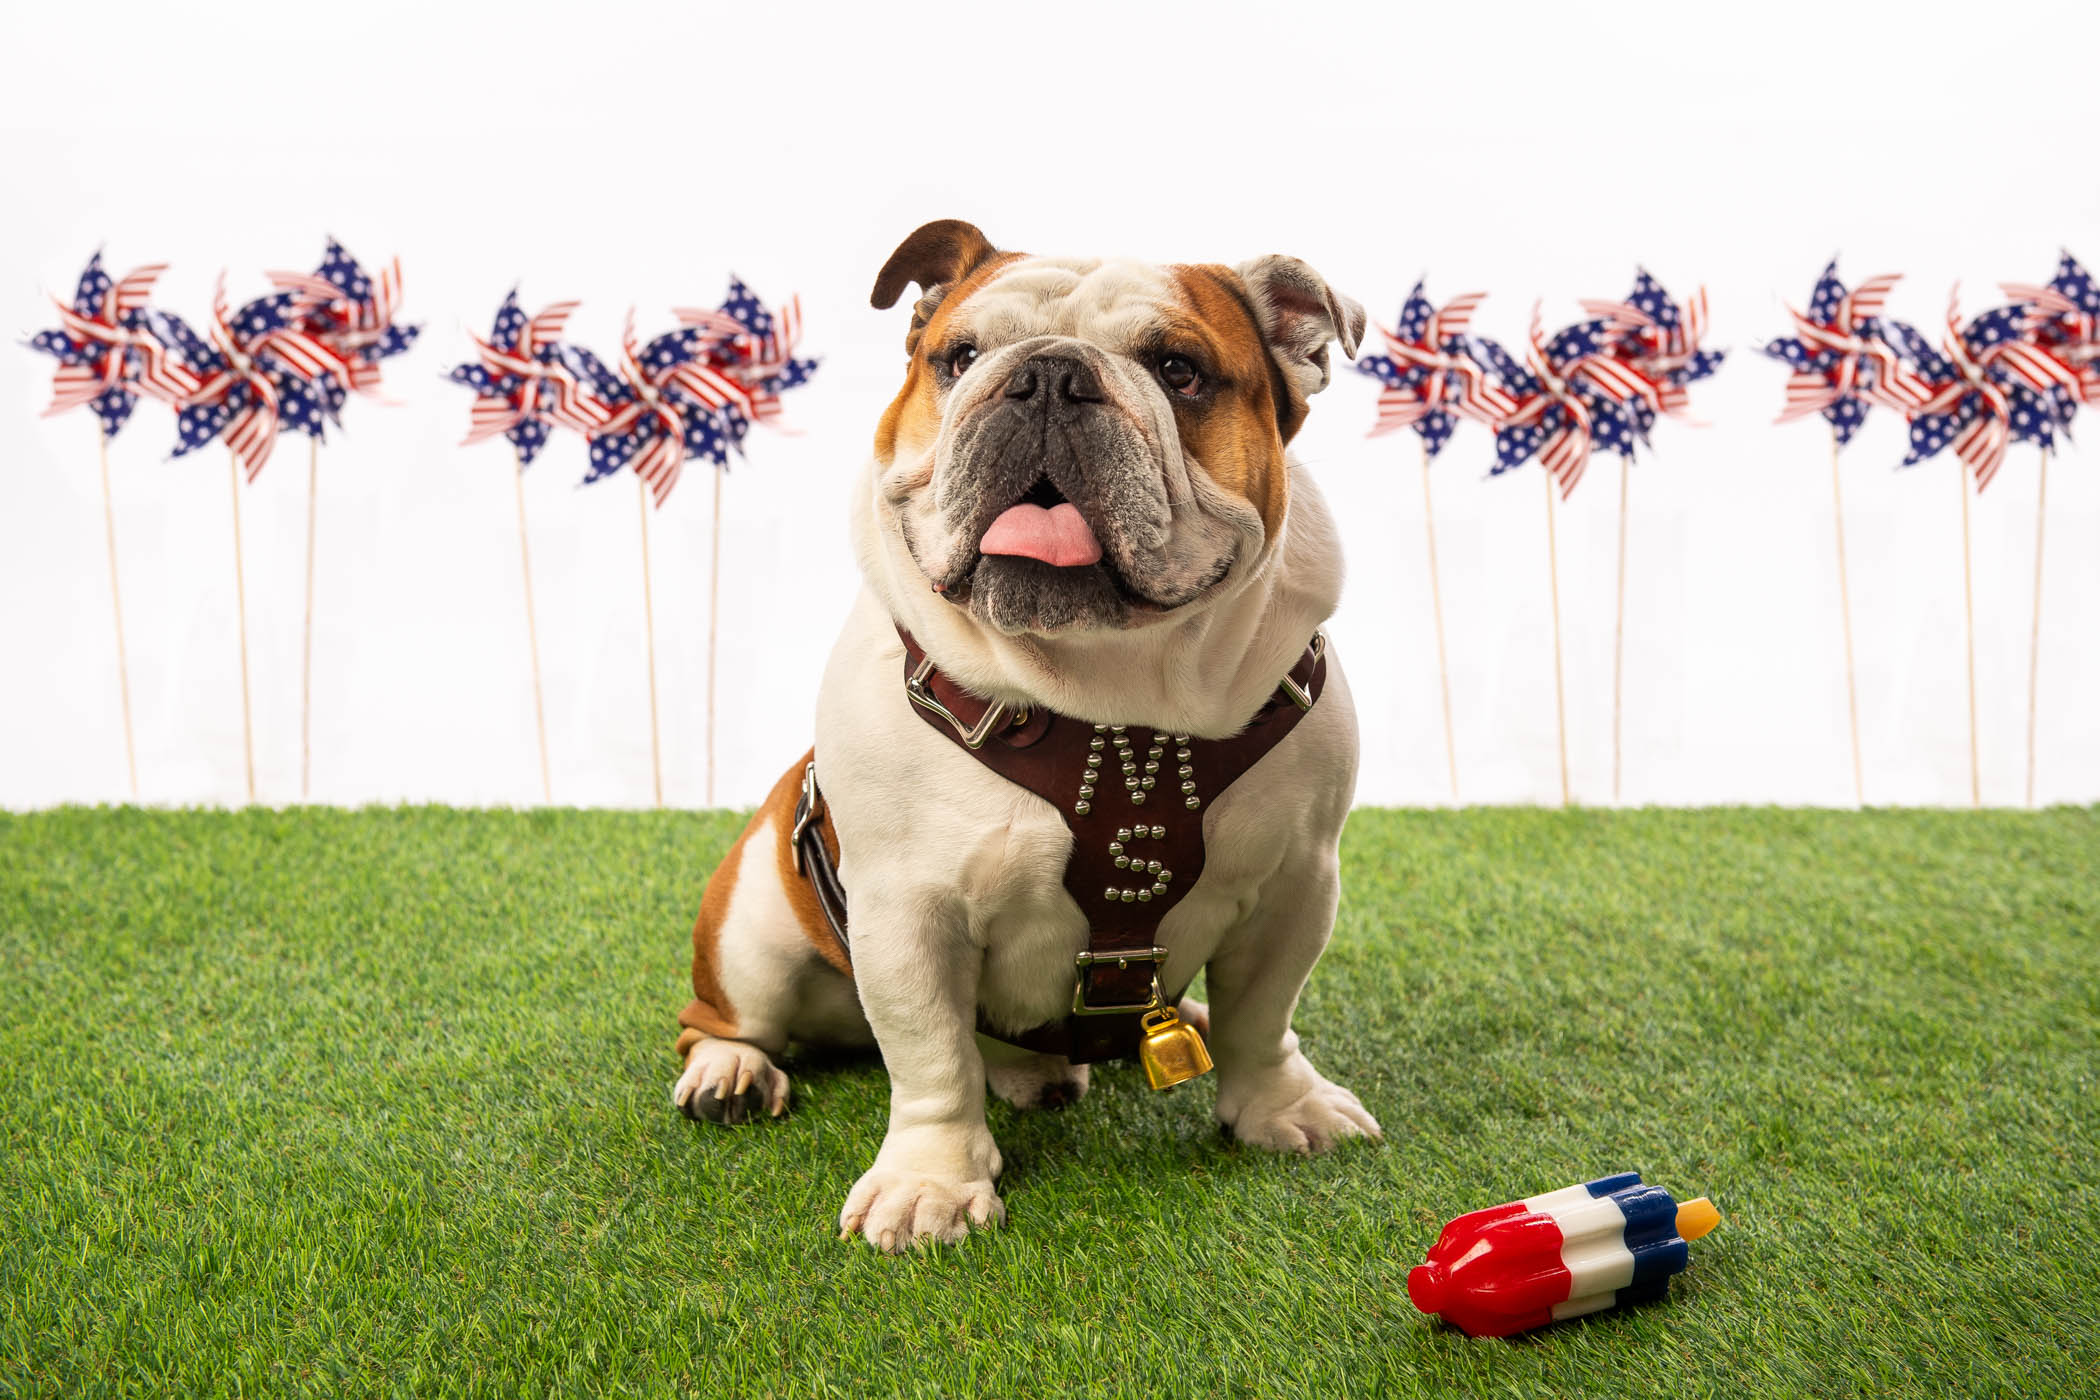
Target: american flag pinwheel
522	387
257	374
1662	344
106	354
663	405
1842	363
2067	325
753	348
1430	382
353	314
1571	396
1990	387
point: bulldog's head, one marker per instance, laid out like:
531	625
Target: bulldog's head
1087	444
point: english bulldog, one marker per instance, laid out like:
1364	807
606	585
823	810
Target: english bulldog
1081	505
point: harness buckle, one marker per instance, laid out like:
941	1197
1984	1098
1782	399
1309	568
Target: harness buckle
1086	959
972	736
1301	697
809	809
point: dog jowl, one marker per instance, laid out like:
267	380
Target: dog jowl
1079	738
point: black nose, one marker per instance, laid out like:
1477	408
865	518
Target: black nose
1069	381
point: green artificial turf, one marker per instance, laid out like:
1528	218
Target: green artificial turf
316	1102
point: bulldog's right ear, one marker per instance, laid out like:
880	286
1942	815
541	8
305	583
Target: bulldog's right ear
936	256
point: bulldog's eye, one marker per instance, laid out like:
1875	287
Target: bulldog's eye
961	358
1180	374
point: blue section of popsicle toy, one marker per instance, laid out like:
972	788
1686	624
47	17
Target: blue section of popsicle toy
1607	1185
1651	1233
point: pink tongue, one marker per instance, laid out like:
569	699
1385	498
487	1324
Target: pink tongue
1058	536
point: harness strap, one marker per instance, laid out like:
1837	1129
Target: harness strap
1133	798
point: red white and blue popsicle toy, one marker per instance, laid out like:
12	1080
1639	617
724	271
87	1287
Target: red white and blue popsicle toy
1547	1258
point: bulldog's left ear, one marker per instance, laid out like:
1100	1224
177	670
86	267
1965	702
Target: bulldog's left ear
1299	314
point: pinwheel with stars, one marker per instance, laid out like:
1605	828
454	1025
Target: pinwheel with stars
1661	347
106	354
1430	382
1662	344
1843	365
662	406
522	386
107	357
2064	323
522	390
353	314
1571	400
1992	383
257	374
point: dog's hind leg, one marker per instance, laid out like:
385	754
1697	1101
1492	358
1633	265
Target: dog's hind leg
766	970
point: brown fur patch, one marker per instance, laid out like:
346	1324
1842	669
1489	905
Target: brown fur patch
913	419
710	1012
1239	436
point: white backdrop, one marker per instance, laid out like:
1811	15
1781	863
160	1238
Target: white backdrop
638	153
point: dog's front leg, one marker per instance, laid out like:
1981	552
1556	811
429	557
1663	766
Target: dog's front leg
1269	1094
933	1179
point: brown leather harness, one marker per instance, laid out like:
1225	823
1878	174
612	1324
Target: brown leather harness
1133	798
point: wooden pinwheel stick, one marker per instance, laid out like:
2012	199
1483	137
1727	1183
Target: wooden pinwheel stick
714	596
1968	603
1837	505
656	761
1436	608
2034	652
116	598
1618	646
532	636
240	603
306	660
1560	696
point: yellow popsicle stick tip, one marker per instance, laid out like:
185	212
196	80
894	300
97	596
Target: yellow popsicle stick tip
1696	1217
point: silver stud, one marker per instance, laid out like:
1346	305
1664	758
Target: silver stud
1116	728
1130	783
1147	781
1194	803
1122	964
1129	896
1082	807
1086	789
1166	877
1189	786
1144	896
1137	799
1154	752
1159	889
1123	833
1159	833
1152	767
1186	771
1097	741
1115	848
1101	729
1122	861
1130	768
1181	738
1182	755
1152	867
1159	738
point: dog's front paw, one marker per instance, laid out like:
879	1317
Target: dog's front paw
924	1190
1296	1110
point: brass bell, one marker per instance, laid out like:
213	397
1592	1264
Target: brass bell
1172	1051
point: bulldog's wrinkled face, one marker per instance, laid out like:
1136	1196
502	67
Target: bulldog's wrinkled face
1085	444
